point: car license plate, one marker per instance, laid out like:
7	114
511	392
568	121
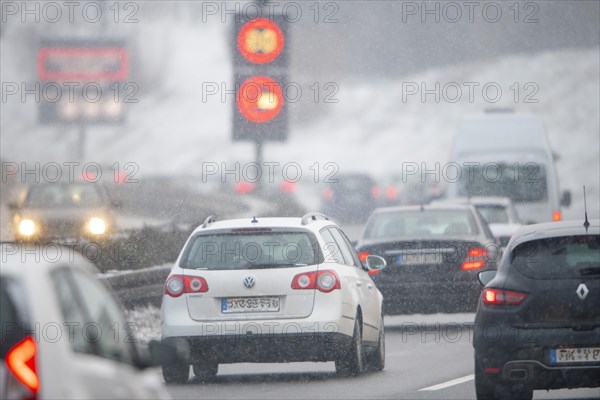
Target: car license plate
249	304
419	259
577	355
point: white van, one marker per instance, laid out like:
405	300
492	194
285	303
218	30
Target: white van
508	155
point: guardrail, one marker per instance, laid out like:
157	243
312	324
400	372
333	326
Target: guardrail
141	287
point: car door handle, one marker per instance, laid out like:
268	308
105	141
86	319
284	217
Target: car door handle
358	283
370	286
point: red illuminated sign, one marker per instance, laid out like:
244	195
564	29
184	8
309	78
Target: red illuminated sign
83	63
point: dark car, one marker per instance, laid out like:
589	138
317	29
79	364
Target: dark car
433	253
63	211
351	198
538	321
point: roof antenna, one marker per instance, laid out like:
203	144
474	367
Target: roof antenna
586	223
254	220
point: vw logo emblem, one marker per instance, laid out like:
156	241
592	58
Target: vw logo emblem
582	291
249	281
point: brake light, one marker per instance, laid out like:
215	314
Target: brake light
556	216
363	256
21	362
325	281
475	259
328	193
176	285
498	297
391	192
375	192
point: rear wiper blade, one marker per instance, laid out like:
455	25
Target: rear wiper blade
589	271
274	265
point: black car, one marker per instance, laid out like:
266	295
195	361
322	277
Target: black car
538	321
433	253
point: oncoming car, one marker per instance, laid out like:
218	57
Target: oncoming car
538	321
272	290
63	211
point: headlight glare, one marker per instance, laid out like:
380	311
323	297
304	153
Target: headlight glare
97	226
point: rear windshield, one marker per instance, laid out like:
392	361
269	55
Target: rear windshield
253	250
421	223
493	214
562	257
521	183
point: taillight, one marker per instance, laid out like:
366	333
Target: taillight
21	362
475	259
326	281
556	216
391	192
363	256
375	192
498	297
176	285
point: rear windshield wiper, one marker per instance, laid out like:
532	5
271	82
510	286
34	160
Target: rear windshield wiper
274	265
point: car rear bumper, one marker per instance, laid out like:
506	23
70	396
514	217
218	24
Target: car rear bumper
289	347
430	297
534	374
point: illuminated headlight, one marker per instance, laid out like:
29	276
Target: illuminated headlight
96	226
27	227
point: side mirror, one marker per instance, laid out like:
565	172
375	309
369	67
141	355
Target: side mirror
375	263
486	276
565	199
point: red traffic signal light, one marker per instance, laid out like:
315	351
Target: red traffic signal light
259	99
260	41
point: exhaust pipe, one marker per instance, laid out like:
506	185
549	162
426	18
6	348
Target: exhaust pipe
518	374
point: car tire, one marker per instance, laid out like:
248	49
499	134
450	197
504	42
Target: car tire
376	360
351	363
205	370
176	373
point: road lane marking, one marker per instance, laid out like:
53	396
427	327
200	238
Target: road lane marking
445	385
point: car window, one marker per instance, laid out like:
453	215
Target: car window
562	257
88	307
349	255
242	250
14	318
421	223
331	248
64	195
493	213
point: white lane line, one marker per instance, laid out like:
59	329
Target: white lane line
445	385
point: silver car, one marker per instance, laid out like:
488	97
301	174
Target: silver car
272	290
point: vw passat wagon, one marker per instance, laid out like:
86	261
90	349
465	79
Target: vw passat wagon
538	321
272	290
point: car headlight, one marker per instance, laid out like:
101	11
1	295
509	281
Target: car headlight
97	226
26	227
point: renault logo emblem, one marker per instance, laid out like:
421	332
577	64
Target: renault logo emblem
249	281
582	291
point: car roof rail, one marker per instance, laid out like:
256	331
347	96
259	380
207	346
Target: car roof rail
209	220
313	216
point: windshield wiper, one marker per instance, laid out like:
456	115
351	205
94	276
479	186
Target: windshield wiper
273	265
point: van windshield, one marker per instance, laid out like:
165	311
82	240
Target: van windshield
520	182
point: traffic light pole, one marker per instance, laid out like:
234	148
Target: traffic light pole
81	142
259	158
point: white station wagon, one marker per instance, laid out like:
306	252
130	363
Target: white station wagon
272	290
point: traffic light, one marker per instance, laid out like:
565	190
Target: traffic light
260	59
